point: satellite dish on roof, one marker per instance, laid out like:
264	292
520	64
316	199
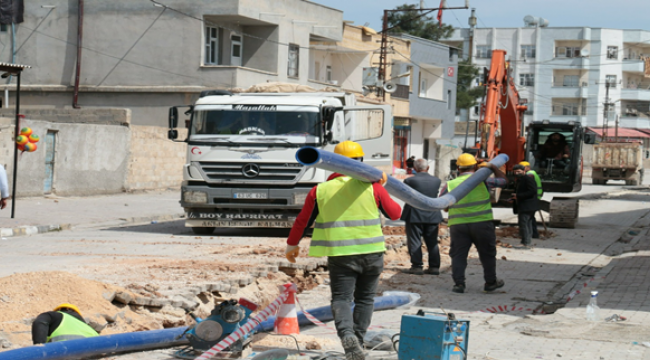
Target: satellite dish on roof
584	52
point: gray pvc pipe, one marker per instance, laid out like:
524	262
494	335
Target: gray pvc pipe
326	160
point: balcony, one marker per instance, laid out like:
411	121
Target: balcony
631	92
635	66
564	91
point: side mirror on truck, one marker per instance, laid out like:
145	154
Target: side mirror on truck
173	117
590	138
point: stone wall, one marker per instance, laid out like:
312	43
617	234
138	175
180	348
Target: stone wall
156	162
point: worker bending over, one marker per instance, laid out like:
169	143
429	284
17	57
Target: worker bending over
470	222
348	231
65	322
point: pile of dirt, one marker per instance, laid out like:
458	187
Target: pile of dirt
393	230
305	341
25	296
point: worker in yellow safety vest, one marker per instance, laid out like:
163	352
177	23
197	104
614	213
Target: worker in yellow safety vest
470	222
65	322
540	192
347	229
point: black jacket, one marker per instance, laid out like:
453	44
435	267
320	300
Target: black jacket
47	322
526	190
428	185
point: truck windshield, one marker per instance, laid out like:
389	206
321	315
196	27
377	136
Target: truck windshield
300	125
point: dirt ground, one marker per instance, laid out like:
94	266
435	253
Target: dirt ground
170	286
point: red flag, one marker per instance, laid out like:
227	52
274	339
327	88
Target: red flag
439	17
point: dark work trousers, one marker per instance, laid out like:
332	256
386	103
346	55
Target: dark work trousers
482	235
535	231
415	232
526	226
354	278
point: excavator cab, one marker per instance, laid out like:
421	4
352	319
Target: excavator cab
554	151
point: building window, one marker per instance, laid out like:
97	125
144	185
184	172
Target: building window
570	109
612	52
483	51
328	73
448	99
211	45
294	60
3	27
528	51
611	80
527	79
571	80
529	109
567	51
423	87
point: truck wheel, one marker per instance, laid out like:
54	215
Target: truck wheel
203	230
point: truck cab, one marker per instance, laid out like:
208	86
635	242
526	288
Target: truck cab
241	169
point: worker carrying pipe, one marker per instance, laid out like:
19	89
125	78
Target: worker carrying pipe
470	223
347	229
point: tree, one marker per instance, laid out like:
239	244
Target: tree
425	27
466	95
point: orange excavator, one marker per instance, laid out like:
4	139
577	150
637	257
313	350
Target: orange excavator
553	149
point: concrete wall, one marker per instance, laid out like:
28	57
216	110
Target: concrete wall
155	161
89	159
97	152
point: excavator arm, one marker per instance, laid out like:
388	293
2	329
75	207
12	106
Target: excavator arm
502	115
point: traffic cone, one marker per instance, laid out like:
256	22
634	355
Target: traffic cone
286	323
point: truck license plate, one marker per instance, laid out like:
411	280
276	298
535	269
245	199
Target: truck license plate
258	224
250	195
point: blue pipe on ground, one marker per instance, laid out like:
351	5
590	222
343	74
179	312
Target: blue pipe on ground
324	313
326	160
107	344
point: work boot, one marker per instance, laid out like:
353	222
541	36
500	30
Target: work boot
458	288
415	270
489	287
353	350
432	271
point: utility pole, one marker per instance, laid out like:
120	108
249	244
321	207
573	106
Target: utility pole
383	52
606	111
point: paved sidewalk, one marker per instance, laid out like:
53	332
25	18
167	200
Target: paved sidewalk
39	215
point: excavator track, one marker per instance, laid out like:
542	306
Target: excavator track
563	212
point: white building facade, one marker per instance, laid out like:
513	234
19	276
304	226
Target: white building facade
562	71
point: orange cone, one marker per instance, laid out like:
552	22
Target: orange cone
286	323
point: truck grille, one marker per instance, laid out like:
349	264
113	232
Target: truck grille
251	172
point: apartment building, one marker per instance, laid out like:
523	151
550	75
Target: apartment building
564	72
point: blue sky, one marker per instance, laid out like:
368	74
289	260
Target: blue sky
621	14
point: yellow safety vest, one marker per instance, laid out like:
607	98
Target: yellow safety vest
71	328
473	208
538	181
348	219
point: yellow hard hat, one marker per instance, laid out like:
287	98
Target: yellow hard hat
465	160
68	306
349	149
524	163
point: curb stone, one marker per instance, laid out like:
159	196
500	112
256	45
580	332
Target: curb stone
42	229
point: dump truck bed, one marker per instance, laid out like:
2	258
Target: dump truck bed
617	155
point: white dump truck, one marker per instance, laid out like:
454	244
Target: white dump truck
617	161
241	170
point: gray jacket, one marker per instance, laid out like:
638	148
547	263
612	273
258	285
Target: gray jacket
428	185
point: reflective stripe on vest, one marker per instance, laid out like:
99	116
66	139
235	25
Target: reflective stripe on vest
348	219
474	207
538	181
71	328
